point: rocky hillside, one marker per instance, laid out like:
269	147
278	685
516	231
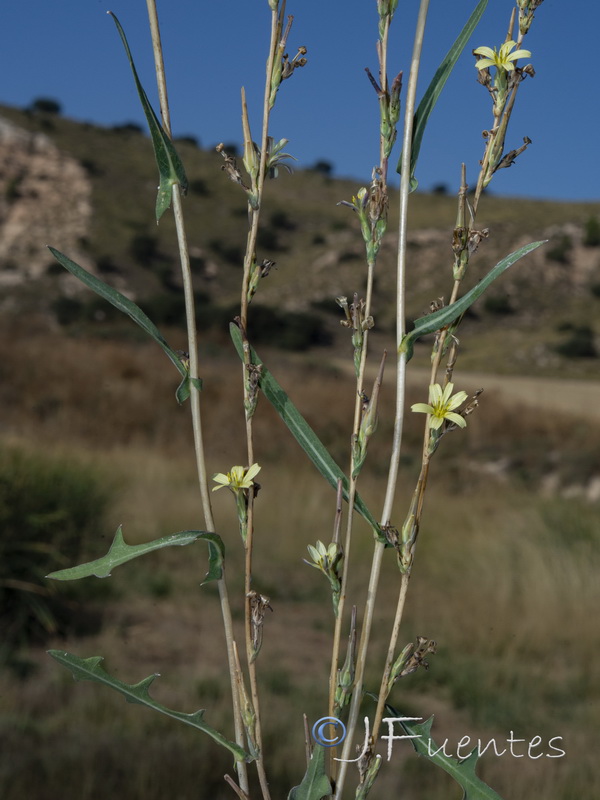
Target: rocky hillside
90	192
42	191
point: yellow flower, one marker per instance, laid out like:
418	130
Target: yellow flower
501	59
239	478
323	557
441	406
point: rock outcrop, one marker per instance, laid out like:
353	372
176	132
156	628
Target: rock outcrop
45	197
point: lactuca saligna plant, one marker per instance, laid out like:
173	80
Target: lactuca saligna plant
445	411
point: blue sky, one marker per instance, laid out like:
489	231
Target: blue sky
69	50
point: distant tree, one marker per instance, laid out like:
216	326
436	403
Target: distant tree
323	167
232	149
128	127
193	140
439	188
45	105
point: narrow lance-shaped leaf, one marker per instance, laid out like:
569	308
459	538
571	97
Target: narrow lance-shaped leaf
463	771
120	552
90	669
169	164
301	430
434	89
445	316
315	784
133	311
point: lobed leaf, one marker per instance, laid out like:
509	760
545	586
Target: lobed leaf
434	89
90	669
169	164
133	311
315	784
447	315
301	430
120	552
463	771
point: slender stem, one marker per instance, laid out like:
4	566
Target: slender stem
258	186
390	656
383	83
257	189
193	354
194	393
382	48
498	130
337	635
159	65
400	391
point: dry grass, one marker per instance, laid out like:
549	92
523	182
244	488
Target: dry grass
505	581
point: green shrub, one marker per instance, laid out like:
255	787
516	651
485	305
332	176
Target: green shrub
51	510
67	310
281	220
91	167
107	266
591	236
12	190
498	304
199	187
144	248
579	344
168	308
560	251
233	253
267	239
288	330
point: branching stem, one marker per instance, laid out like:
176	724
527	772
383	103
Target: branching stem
194	393
249	259
400	392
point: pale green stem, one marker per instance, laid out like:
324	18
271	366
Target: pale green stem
422	483
159	65
383	83
194	393
253	233
257	189
335	655
382	51
400	392
391	654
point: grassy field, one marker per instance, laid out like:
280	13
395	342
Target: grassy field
505	581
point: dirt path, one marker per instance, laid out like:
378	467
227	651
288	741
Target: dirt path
575	397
